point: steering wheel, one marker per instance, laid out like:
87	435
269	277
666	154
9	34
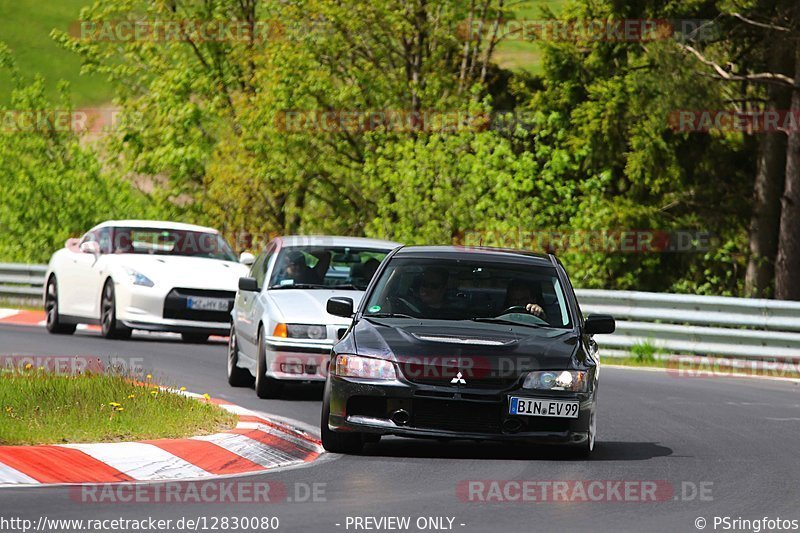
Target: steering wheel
409	306
516	309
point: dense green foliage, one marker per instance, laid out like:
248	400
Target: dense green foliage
588	147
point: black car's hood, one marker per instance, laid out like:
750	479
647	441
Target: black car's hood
484	348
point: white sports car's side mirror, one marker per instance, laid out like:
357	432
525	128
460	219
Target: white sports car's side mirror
247	258
90	247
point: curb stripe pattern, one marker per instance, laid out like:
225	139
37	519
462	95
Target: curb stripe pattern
257	444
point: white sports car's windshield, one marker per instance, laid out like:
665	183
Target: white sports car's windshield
325	267
463	290
158	241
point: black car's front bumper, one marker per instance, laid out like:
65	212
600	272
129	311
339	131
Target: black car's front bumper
450	412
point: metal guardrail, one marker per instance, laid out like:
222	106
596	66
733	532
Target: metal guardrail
670	323
697	325
21	281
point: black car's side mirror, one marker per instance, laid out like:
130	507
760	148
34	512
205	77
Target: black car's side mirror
340	306
599	324
248	285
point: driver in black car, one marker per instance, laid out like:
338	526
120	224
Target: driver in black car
520	294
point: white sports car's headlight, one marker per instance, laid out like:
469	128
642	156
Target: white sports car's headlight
354	366
569	380
138	278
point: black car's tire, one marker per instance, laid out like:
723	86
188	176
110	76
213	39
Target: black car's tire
584	450
194	338
237	377
54	323
109	327
266	387
347	443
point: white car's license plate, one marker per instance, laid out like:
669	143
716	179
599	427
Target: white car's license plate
207	304
534	407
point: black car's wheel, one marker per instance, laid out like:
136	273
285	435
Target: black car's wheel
266	387
584	450
194	338
110	328
54	324
237	377
349	443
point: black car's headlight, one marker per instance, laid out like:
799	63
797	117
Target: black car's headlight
355	366
306	331
567	380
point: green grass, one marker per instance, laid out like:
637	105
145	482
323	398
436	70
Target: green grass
525	55
25	26
43	408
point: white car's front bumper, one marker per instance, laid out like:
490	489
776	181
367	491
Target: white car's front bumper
146	308
297	359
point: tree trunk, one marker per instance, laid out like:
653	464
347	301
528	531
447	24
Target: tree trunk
769	184
787	265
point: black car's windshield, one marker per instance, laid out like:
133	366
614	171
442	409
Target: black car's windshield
321	267
465	290
158	241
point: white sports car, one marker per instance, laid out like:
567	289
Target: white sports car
281	329
141	274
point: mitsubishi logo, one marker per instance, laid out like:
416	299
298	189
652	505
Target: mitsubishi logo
459	379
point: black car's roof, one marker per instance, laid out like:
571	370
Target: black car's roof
477	253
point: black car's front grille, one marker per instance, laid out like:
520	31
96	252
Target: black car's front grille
476	381
455	415
175	305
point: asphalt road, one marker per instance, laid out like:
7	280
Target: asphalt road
723	447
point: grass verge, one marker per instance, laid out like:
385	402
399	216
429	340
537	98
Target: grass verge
45	408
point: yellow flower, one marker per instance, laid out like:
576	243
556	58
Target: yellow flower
131	396
206	396
118	409
113	404
183	389
149	376
28	366
154	392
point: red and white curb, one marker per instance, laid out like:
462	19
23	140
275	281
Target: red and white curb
16	317
257	444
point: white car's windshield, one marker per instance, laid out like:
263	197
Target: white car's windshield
158	241
326	266
464	290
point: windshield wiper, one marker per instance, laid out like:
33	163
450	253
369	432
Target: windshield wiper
495	320
346	286
388	315
299	286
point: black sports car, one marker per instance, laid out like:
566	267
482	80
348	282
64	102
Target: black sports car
453	342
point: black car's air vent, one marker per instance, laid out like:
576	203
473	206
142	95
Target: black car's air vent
453	339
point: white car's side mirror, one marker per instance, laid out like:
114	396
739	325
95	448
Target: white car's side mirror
247	258
90	247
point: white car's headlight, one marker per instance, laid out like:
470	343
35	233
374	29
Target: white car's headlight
568	380
354	366
304	331
137	278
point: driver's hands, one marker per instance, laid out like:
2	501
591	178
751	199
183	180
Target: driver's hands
535	309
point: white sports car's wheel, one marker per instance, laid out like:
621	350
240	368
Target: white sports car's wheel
110	328
54	324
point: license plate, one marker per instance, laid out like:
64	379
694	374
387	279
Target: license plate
552	408
207	304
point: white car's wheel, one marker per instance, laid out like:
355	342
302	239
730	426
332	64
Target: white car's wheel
237	377
110	328
266	387
54	324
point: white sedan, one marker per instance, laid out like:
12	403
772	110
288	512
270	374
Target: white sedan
148	275
281	329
